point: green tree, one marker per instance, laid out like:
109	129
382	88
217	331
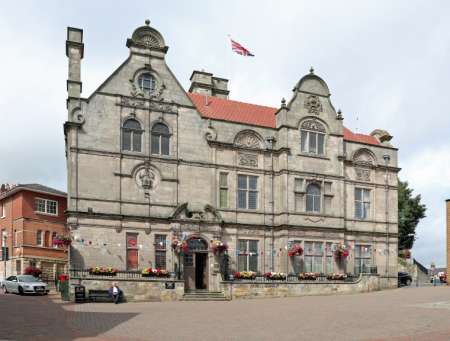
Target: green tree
410	211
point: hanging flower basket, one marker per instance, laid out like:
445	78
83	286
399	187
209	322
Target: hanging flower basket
295	250
180	246
336	277
308	276
275	276
62	241
149	272
103	271
251	275
341	252
32	270
218	247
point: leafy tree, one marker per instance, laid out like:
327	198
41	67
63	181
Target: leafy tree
410	211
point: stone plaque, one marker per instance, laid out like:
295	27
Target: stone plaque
248	160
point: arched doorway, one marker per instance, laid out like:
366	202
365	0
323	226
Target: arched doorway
196	264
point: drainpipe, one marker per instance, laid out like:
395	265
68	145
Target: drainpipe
386	210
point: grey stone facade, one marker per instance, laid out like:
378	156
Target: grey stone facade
112	192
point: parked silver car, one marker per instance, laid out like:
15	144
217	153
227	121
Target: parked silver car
24	284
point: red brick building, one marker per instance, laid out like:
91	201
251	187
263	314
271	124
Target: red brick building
31	217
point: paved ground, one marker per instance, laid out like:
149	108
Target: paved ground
395	315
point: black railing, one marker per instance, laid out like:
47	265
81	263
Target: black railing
120	275
322	278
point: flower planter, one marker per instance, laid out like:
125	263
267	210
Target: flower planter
102	271
248	275
275	276
149	272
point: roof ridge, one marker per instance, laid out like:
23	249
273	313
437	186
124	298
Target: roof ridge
232	100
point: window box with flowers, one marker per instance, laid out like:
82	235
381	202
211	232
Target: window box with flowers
149	272
308	276
275	276
103	271
336	277
248	275
62	241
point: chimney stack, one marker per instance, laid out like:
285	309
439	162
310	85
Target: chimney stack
205	83
75	52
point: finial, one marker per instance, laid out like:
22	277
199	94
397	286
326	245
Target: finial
311	70
283	102
339	115
147	22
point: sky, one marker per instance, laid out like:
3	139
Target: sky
386	64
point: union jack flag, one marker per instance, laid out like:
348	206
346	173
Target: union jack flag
239	49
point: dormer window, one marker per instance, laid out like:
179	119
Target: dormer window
147	82
312	135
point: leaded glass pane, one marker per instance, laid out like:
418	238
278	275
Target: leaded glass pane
126	140
155	144
137	141
318	265
358	194
132	125
51	206
252	182
308	264
252	200
242	245
223	197
366	194
223	180
160	128
242	199
320	143
165	145
242	181
242	263
312	142
253	246
304	135
253	263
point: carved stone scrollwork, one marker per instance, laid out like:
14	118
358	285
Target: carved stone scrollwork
313	125
248	139
248	160
211	134
136	103
77	116
312	103
362	174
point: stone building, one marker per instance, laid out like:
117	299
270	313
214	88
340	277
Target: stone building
447	203
149	162
31	217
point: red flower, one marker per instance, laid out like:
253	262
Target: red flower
295	250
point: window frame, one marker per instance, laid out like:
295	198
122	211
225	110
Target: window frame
305	142
160	251
39	238
364	206
46	202
247	254
2	210
314	256
360	260
316	198
247	191
223	188
134	135
140	82
160	137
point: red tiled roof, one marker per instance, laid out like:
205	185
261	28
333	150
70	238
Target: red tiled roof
227	110
361	138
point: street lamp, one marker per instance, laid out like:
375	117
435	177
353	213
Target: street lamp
386	159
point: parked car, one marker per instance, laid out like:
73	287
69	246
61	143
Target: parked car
404	278
24	284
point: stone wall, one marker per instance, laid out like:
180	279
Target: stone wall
135	289
238	289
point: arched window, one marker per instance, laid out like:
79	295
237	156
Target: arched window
132	136
312	134
160	139
313	198
147	82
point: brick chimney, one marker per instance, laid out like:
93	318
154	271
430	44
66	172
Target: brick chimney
205	83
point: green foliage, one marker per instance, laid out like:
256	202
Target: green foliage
410	211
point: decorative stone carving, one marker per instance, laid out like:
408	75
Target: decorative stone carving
77	116
147	36
364	157
312	103
362	174
211	134
147	179
314	220
155	95
146	105
248	139
248	160
313	125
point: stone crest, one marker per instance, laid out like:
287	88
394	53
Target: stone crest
362	174
146	179
312	103
248	160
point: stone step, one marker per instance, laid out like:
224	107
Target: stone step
204	296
